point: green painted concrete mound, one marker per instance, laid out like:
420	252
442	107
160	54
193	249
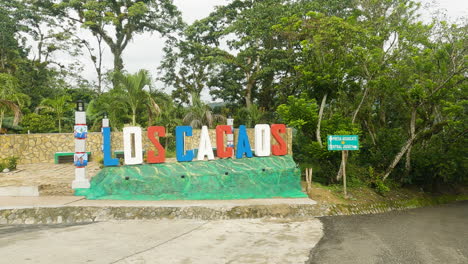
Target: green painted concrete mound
247	178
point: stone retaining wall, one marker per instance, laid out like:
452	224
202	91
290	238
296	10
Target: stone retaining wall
38	148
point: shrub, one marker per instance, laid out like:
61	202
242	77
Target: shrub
36	123
11	162
377	183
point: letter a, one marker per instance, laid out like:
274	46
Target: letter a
243	145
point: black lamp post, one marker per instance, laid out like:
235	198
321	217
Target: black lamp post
80	106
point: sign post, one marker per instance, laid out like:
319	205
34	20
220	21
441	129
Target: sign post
343	143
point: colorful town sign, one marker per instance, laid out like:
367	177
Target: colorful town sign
133	151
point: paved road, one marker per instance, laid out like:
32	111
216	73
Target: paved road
165	241
426	235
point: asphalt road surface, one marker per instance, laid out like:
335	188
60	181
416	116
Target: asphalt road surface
425	235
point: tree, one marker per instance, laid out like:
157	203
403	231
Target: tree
111	104
59	106
134	94
10	52
243	69
36	123
438	70
250	57
199	114
9	98
117	22
169	117
326	60
187	67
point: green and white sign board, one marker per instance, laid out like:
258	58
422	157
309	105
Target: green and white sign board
343	142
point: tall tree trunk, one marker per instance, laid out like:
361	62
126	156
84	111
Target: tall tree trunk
412	134
118	62
356	112
60	125
248	94
99	65
374	142
133	117
398	157
118	65
322	106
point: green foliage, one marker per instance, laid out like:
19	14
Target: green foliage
199	114
250	116
373	67
125	19
300	113
36	123
376	182
58	106
9	163
132	92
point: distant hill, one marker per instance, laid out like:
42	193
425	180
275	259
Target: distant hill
218	104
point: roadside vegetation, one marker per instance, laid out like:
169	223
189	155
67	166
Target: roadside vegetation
354	67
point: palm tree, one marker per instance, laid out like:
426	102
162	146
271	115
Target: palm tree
9	105
169	116
111	104
58	105
251	115
9	98
134	94
199	114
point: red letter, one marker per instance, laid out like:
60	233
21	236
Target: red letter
161	151
280	149
223	152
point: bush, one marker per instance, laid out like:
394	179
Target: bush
377	183
36	123
11	162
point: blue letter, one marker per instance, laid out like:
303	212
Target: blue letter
180	143
243	145
106	148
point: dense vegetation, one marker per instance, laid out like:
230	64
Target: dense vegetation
366	67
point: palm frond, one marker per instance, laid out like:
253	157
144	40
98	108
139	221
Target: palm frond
14	108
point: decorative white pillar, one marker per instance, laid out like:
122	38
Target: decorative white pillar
81	156
230	137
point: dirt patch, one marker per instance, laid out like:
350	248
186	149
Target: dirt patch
52	179
324	196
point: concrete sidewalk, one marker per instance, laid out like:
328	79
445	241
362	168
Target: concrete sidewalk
75	209
253	241
60	201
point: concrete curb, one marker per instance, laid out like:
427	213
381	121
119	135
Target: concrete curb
83	214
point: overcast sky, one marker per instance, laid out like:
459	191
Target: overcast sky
145	51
